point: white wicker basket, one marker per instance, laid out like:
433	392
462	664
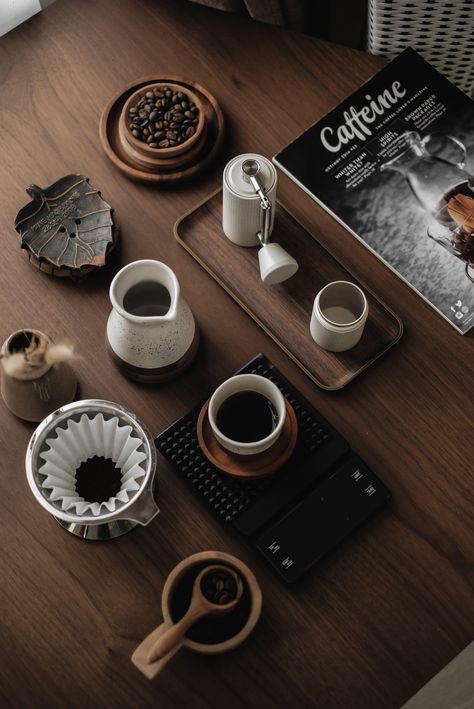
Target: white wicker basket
442	32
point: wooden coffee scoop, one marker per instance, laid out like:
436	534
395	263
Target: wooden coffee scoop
212	595
216	590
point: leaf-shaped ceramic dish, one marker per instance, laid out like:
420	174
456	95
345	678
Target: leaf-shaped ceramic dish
67	229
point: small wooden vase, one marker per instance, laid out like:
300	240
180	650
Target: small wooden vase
33	395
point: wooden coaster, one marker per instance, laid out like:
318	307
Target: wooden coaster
283	311
158	375
198	160
251	466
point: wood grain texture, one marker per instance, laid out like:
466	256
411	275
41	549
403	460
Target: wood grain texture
284	310
392	606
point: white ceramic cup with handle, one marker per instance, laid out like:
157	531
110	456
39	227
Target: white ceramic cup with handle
339	315
253	383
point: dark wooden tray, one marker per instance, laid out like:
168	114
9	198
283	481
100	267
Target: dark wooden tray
284	310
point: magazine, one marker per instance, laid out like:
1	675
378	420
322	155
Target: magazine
394	163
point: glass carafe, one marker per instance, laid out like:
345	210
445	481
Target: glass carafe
437	182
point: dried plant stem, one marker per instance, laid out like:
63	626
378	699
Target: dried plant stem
34	356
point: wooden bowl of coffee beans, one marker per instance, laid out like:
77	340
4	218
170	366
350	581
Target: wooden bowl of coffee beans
162	125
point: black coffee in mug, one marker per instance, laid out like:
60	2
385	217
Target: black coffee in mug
246	416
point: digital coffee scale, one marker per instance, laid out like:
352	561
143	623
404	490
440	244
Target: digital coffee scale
304	510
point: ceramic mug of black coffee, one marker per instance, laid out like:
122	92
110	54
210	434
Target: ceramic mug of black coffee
247	414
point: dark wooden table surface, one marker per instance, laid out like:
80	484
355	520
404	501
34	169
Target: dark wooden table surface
378	618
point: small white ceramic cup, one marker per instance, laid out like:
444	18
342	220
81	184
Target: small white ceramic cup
339	316
247	382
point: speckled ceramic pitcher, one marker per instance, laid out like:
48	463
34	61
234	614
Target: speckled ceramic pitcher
151	331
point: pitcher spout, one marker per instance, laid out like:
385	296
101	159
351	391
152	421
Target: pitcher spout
145	291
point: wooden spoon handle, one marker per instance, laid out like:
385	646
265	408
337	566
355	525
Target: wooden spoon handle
174	635
140	655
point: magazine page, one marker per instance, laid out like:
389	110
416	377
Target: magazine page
395	163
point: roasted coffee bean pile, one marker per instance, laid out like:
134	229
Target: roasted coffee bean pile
163	118
218	587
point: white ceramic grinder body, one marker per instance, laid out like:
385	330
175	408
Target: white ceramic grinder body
241	206
248	214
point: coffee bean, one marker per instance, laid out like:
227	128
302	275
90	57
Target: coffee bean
153	145
163	117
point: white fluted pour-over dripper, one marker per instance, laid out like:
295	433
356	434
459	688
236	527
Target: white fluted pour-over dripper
76	442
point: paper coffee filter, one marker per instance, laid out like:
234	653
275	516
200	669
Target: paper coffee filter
73	444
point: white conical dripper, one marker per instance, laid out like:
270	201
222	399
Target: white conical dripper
74	444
